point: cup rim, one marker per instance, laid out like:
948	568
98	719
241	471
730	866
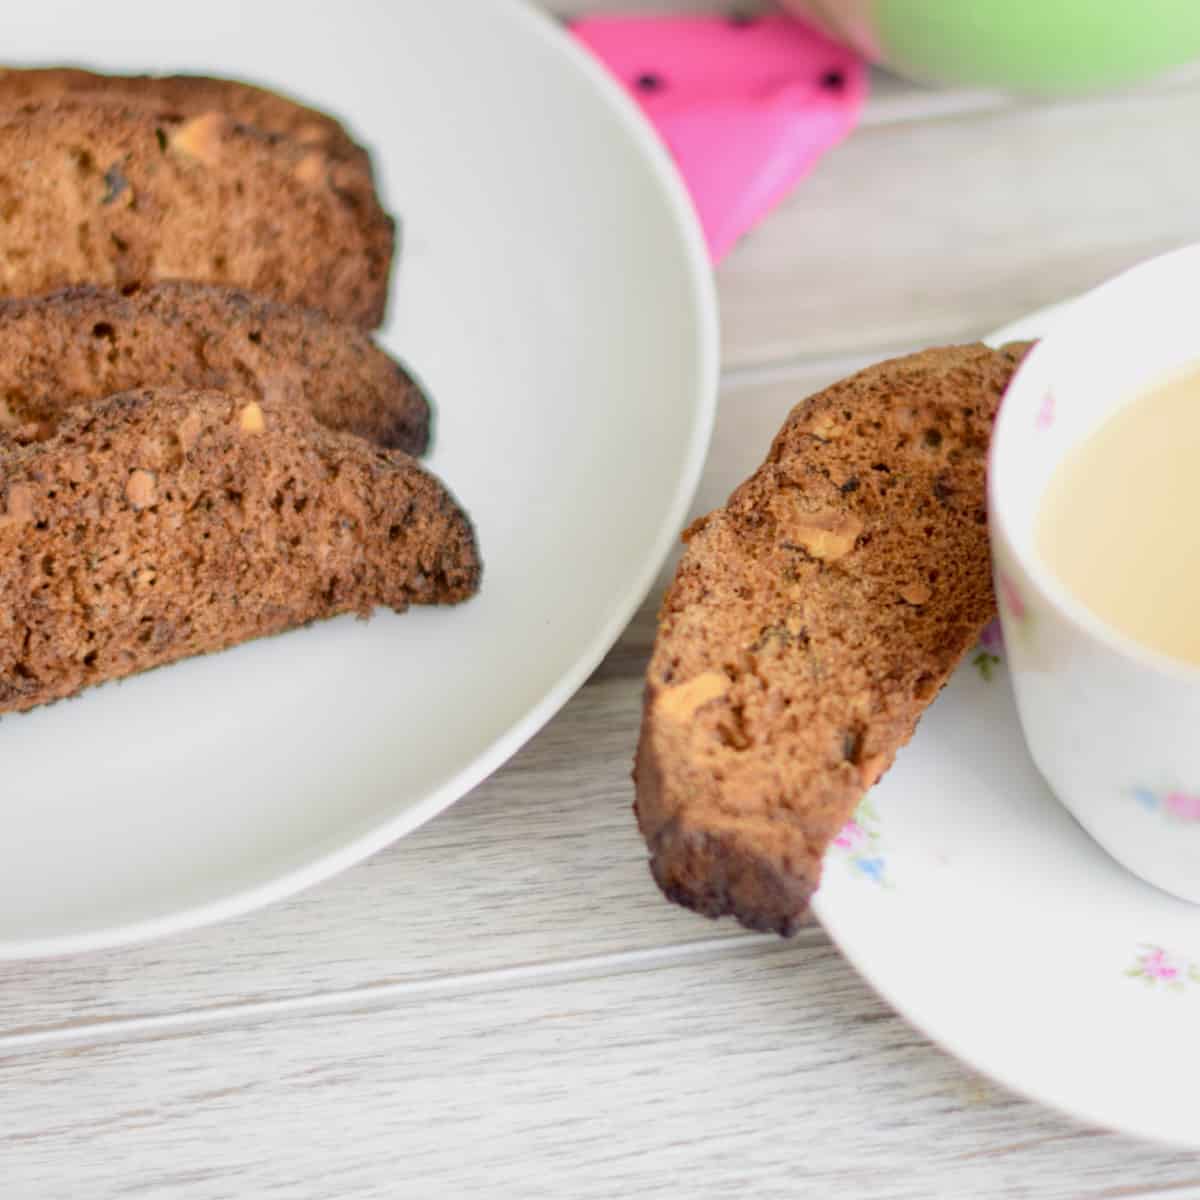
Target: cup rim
1007	439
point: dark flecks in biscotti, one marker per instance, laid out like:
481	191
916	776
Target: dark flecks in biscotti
852	742
890	621
114	184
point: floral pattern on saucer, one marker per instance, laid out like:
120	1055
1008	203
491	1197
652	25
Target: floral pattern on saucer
1159	968
1176	805
859	845
990	652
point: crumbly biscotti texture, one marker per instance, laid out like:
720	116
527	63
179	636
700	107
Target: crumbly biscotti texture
162	524
187	96
809	624
103	192
82	344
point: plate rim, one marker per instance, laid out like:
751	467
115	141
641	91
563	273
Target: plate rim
702	299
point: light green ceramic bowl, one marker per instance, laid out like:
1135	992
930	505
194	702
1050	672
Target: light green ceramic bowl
1027	45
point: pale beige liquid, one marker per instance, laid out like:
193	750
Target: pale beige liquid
1120	521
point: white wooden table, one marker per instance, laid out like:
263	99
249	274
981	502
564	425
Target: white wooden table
502	1004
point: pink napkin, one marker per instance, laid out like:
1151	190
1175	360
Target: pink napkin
746	106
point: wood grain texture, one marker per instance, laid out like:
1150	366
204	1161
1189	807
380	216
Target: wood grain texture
768	1072
501	1004
939	230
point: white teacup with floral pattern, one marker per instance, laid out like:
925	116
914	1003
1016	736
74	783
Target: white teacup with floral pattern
1113	726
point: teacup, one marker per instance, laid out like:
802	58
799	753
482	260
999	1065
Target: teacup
1113	726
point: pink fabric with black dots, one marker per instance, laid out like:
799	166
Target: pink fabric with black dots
746	106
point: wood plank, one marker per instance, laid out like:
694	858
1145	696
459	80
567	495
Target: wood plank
774	1072
940	230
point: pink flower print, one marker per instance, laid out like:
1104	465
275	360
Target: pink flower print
1176	805
1157	968
852	836
992	639
1045	417
1010	596
858	844
1183	805
1156	965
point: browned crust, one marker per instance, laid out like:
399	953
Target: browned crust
104	192
82	344
176	98
809	624
182	96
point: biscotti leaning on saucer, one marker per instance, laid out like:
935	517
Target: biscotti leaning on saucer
163	523
809	624
82	344
101	190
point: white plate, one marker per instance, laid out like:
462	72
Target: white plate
974	903
554	294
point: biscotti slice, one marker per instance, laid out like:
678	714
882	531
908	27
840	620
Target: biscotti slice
82	344
188	96
102	192
180	97
162	524
809	624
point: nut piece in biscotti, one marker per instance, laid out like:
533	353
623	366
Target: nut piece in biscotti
188	96
809	624
165	523
104	192
79	345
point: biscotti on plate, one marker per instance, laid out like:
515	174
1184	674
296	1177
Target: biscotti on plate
180	97
164	523
103	191
188	96
810	622
81	345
